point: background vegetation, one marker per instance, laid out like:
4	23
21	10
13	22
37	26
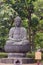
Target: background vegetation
31	12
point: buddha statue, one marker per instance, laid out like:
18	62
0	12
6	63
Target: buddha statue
17	41
17	34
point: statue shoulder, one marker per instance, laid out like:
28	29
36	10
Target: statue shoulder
12	28
23	28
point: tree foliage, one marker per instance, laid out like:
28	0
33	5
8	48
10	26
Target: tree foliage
31	12
6	15
38	5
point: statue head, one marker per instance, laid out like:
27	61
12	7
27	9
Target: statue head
17	21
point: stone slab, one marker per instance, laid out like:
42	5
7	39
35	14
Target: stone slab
16	55
11	60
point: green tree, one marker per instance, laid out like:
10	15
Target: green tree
6	16
38	5
23	8
39	40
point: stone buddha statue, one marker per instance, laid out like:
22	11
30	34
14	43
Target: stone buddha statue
17	34
17	41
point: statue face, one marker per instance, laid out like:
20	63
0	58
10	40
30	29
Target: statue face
17	21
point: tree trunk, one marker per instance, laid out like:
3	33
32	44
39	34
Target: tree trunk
33	35
29	27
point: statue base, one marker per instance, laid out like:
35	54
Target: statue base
16	55
11	60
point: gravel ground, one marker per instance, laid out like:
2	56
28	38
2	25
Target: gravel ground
23	64
13	64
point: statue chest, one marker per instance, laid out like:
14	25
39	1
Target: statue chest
17	33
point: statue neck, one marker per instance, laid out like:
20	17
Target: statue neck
17	27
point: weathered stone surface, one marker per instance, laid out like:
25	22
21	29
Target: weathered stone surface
11	60
17	41
17	48
16	55
18	61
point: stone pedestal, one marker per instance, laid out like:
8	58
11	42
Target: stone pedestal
17	50
16	55
11	60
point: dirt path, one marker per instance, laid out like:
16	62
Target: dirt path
23	64
13	64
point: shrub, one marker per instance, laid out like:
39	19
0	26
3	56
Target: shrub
3	55
32	55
